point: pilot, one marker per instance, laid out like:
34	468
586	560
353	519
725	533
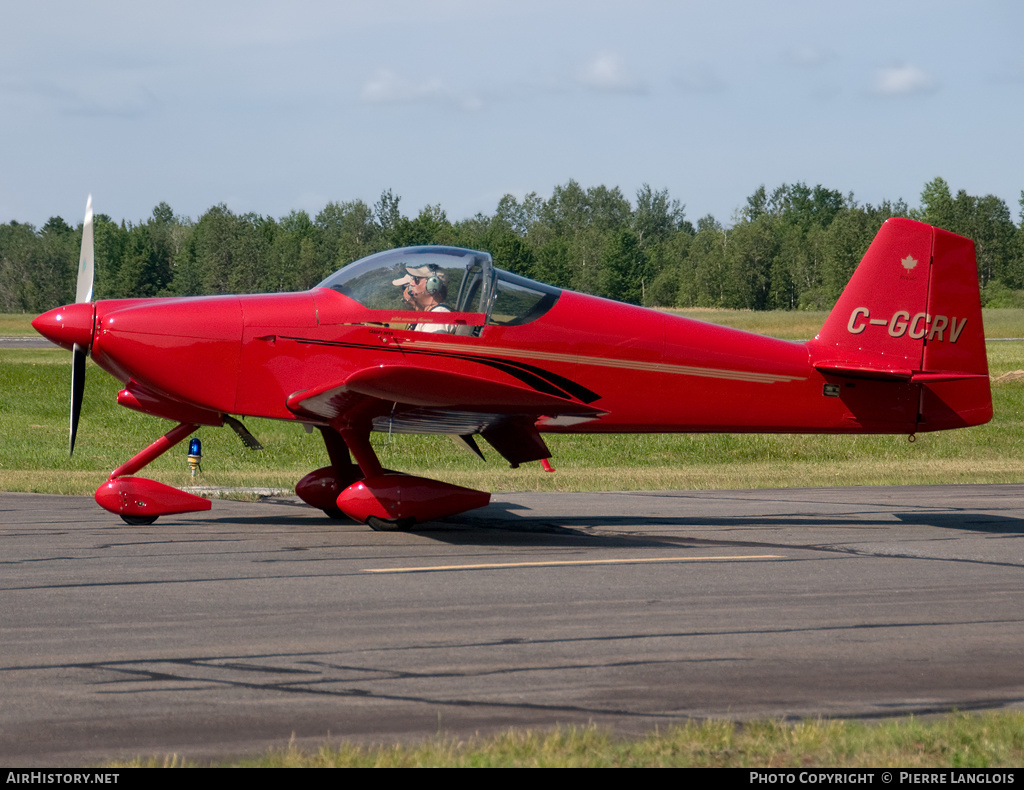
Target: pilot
425	288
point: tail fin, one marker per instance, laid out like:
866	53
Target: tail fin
912	312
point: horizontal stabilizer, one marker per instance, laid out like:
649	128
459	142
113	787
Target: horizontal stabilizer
883	373
864	370
935	378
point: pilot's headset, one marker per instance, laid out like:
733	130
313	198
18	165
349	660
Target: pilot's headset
436	281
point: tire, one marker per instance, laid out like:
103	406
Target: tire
390	524
138	521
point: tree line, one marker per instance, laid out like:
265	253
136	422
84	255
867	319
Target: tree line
793	247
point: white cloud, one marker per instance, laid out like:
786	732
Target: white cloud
608	72
902	80
387	87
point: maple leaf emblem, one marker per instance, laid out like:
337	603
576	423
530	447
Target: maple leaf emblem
908	263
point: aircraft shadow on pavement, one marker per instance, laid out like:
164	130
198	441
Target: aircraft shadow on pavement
495	525
975	522
509	523
508	516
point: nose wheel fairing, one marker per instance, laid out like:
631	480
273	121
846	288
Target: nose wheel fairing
139	500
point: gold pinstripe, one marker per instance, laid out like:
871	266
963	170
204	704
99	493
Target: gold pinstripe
608	362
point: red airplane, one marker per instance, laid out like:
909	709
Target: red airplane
437	340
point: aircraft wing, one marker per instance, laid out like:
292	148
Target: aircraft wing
409	399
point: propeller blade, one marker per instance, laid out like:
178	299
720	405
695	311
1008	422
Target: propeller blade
83	293
86	260
77	390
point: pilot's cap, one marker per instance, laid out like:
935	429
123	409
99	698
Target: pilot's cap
429	270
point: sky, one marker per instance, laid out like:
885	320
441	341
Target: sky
273	107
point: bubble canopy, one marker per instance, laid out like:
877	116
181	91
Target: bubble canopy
471	283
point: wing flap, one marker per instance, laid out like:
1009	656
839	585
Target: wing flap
327	403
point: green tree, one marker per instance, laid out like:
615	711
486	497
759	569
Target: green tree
431	226
226	254
748	257
657	217
703	285
167	234
674	272
518	217
936	204
1017	263
56	264
495	235
844	244
987	221
623	274
551	263
295	255
136	273
387	218
18	289
757	205
110	243
347	232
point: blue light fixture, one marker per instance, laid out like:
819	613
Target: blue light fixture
195	455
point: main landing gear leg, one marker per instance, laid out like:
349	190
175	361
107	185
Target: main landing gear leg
369	464
320	488
139	501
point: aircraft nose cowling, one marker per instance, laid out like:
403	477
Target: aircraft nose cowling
69	325
187	349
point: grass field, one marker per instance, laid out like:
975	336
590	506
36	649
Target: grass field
33	456
956	741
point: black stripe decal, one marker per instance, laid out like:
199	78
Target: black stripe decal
538	378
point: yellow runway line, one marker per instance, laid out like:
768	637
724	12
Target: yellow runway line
553	563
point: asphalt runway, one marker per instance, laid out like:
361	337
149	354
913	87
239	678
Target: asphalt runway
31	341
230	632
